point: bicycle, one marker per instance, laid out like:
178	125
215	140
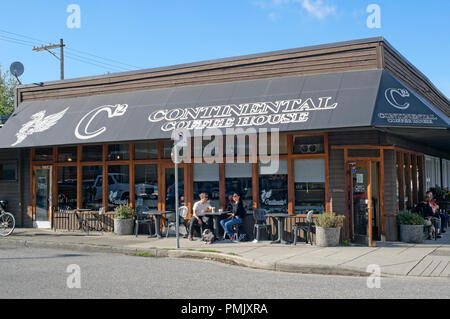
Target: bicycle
7	220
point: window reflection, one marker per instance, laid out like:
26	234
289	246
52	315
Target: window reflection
309	185
238	179
118	186
273	186
118	152
92	187
146	186
67	187
206	180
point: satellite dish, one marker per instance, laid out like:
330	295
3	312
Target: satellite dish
17	69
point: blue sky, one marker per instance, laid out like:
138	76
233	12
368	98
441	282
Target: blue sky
150	33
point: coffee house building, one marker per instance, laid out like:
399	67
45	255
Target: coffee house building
359	131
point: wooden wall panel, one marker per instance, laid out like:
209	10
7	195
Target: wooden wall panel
353	57
405	73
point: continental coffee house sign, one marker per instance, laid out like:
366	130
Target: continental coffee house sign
242	115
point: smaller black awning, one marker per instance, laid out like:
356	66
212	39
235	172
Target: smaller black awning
342	100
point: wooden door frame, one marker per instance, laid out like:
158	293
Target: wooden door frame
368	164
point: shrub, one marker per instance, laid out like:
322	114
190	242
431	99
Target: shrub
330	221
408	218
124	212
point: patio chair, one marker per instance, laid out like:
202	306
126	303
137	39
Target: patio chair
171	220
260	216
142	219
306	227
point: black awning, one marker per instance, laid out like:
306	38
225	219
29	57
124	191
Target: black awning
298	103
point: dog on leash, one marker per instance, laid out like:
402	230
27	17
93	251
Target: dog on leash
208	236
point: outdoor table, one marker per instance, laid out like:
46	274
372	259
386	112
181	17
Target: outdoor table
158	215
216	217
280	217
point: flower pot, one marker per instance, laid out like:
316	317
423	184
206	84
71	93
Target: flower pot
411	233
327	237
123	227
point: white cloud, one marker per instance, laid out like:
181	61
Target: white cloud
318	8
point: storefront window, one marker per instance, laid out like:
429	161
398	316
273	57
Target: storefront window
170	187
167	149
118	152
43	154
67	154
92	187
206	180
238	179
309	144
273	186
309	185
265	146
93	153
118	185
67	187
8	172
146	190
146	151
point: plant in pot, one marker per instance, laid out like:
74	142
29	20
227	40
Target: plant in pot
411	227
328	229
124	220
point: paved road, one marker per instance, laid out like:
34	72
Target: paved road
41	273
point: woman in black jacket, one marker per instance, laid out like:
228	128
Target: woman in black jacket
237	217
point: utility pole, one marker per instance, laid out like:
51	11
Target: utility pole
47	48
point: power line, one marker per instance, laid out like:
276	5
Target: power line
117	64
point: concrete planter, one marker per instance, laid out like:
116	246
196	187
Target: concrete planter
123	227
327	237
411	233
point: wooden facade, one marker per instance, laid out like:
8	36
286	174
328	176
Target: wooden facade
398	162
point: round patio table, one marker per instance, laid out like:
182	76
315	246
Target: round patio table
280	217
158	214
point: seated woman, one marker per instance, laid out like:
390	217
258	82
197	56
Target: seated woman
237	217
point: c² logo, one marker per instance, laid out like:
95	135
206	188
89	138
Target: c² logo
392	99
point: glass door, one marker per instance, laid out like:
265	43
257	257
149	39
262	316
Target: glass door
361	200
42	197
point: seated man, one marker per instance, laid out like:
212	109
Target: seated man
199	219
237	216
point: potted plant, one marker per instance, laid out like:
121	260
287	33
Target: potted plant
411	227
328	229
124	220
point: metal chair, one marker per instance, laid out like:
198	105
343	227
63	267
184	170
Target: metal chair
171	219
142	219
260	216
306	227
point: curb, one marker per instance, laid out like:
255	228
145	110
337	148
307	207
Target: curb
192	254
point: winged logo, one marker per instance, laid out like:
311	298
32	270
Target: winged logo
39	123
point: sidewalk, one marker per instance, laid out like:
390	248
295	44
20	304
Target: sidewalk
431	259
